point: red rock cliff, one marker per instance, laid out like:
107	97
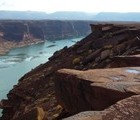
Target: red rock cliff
34	97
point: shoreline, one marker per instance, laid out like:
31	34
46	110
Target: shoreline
6	46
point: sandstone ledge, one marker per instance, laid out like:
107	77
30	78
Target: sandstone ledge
95	89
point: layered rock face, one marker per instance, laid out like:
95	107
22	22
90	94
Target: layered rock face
20	33
51	92
44	30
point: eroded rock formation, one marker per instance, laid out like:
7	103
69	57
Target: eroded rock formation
44	30
35	92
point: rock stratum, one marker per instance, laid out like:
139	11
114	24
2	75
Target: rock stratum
98	78
19	33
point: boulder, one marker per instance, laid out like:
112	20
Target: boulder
105	54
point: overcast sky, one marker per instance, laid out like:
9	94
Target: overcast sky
72	5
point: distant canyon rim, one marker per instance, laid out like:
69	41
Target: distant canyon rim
19	33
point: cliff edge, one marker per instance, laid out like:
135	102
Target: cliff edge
111	52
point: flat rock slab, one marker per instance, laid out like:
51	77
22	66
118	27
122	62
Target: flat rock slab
127	109
118	79
95	89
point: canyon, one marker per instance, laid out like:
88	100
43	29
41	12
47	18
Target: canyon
19	33
95	79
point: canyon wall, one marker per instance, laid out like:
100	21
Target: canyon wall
19	33
44	30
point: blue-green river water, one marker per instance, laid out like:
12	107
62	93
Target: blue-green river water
21	60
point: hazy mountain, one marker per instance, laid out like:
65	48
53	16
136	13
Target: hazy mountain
71	15
26	15
22	15
103	16
114	16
